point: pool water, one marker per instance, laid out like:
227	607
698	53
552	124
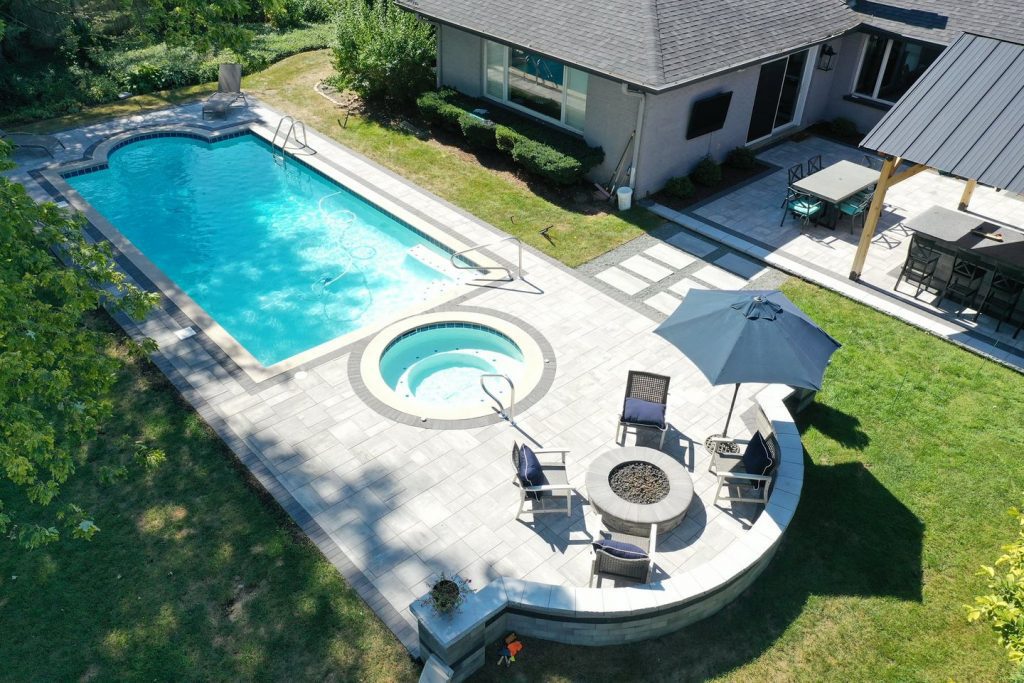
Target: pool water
442	365
281	257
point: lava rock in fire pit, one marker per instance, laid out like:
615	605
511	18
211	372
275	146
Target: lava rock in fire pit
639	482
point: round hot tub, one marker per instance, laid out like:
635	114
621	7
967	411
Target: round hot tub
433	366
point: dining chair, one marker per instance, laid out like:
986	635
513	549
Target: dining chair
857	205
814	164
795	173
802	206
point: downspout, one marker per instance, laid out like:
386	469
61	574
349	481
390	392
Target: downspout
437	60
639	130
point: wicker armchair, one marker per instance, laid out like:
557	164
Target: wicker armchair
728	462
607	565
550	495
649	388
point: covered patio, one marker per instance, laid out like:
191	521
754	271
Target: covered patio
953	142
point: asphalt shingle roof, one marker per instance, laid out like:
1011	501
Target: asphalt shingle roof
659	44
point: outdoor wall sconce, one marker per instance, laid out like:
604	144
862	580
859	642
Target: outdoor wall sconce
825	58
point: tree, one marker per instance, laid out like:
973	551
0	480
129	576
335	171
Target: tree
383	53
55	372
1003	608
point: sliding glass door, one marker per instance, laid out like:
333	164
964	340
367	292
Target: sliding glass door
777	100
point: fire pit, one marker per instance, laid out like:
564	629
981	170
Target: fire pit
636	487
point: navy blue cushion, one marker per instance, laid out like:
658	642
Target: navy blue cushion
626	551
530	471
757	459
638	411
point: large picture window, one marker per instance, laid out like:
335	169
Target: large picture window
891	65
541	86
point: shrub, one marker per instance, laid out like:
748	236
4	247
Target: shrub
547	162
505	138
1003	608
383	53
436	108
707	172
680	187
844	128
742	158
479	132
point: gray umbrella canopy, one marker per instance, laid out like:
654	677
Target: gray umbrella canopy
749	336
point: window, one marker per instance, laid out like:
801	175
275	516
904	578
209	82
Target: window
890	66
536	84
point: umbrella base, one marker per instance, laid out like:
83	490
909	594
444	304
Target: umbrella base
719	446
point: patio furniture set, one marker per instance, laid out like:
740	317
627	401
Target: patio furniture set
824	195
654	497
969	260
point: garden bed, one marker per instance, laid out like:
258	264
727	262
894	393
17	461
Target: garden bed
731	178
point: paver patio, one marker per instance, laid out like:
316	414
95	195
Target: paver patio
747	218
391	503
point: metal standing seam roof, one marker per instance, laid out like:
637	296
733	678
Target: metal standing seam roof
964	116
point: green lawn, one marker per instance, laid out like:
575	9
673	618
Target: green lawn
193	577
914	455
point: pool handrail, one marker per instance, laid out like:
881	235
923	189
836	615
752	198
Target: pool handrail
508	272
509	414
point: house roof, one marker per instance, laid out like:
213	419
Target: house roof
654	44
965	115
660	44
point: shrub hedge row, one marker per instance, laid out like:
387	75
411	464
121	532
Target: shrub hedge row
550	154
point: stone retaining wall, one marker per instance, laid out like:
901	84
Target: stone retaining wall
596	616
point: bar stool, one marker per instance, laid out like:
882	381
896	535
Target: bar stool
964	281
919	268
1001	299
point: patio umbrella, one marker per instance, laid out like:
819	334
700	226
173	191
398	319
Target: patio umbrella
749	336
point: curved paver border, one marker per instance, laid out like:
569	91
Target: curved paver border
603	616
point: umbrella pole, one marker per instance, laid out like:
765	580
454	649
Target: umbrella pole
725	432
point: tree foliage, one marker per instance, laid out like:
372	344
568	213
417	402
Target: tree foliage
383	53
1003	608
55	372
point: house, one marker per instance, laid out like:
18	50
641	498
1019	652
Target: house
662	83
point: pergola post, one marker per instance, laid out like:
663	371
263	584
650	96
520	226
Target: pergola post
874	213
965	198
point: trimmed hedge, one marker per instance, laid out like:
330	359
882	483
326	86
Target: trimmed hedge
544	151
707	172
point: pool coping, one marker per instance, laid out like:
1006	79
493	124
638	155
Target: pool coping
224	340
534	360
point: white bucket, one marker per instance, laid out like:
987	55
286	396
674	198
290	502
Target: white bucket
625	197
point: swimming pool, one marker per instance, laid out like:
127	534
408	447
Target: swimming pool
282	258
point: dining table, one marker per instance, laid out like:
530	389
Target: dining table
836	183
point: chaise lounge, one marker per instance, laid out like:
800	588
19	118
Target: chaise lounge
229	91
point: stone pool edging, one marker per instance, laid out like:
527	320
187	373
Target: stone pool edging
605	616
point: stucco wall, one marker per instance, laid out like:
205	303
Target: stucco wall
611	118
461	61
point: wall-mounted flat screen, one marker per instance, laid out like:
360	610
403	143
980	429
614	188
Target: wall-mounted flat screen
708	115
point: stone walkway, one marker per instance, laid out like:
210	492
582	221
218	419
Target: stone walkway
391	504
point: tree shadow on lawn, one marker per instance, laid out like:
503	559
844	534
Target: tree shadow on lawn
850	537
836	425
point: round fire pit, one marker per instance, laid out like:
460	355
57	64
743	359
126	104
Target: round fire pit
633	488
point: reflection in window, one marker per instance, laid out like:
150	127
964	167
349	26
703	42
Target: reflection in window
891	66
790	95
535	83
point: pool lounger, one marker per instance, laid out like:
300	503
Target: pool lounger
218	104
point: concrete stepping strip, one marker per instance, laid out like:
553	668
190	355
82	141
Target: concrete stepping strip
646	268
692	244
664	302
670	255
621	280
718	278
683	287
739	265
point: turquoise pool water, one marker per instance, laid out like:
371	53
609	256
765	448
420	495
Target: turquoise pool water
441	365
279	256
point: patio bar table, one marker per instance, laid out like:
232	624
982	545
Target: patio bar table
837	183
956	231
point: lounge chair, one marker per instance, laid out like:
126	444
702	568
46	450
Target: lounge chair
620	556
746	477
644	405
47	143
229	91
544	484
